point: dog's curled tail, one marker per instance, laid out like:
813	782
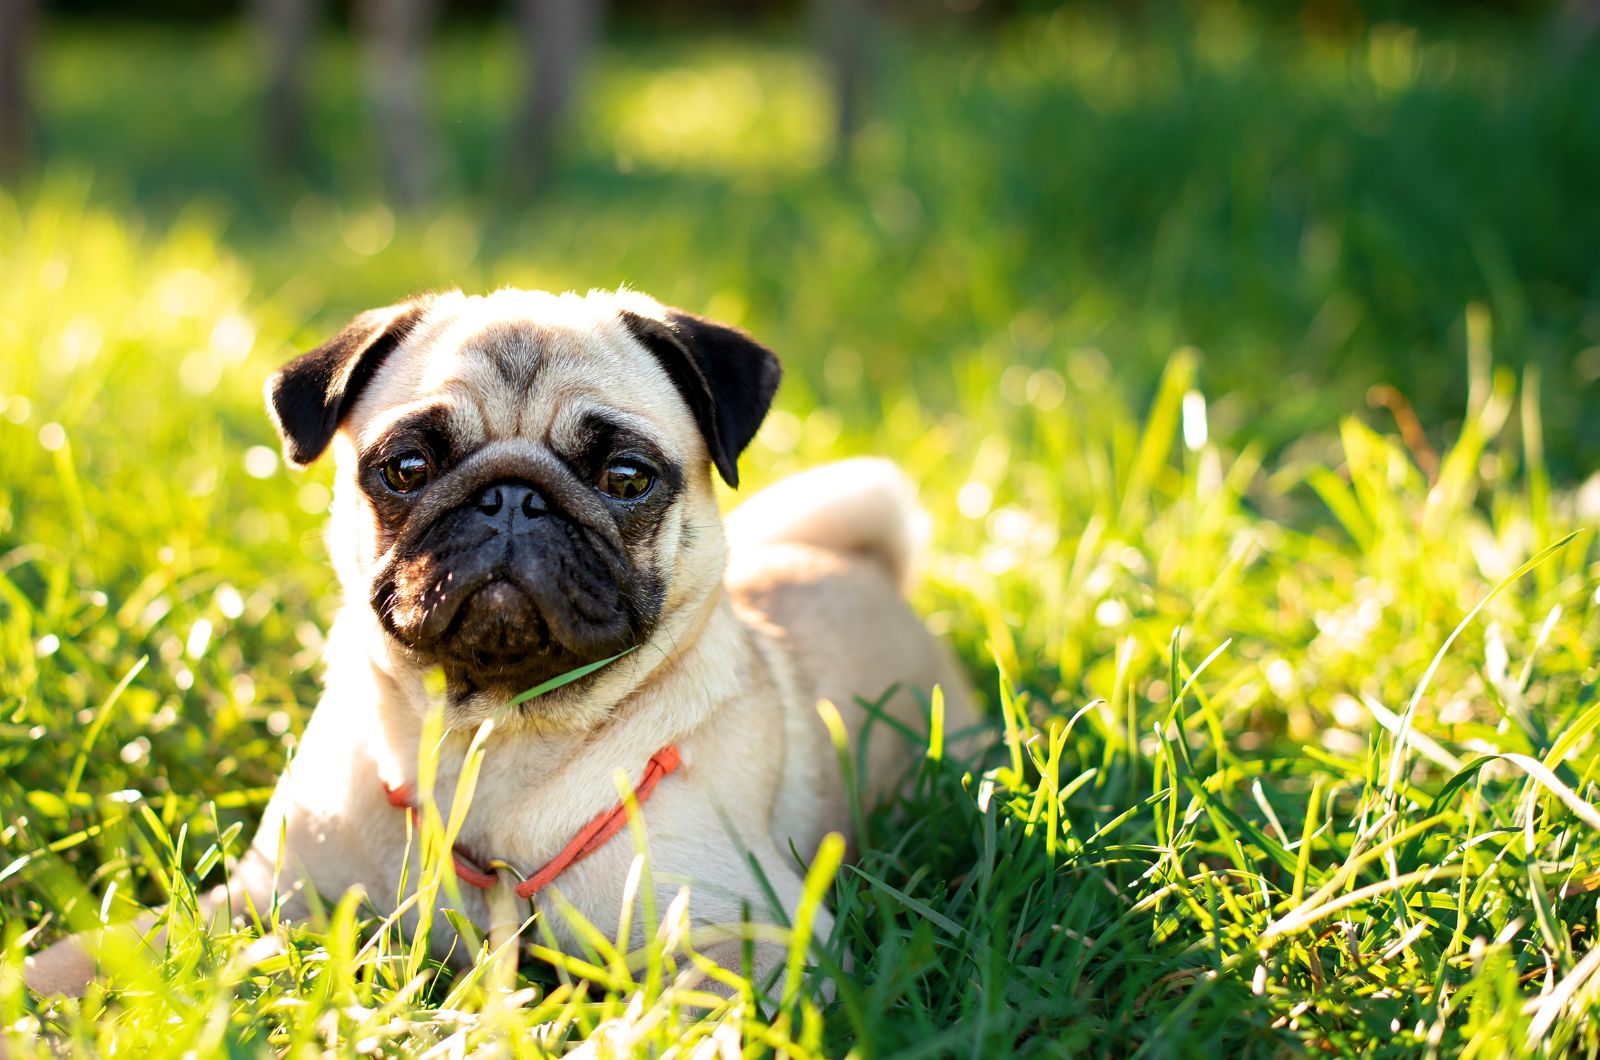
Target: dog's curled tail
862	506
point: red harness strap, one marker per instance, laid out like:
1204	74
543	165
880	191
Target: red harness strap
594	835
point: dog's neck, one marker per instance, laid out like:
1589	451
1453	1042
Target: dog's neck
633	710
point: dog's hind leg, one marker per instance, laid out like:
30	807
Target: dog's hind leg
863	506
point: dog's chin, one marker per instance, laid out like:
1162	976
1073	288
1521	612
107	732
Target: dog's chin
504	678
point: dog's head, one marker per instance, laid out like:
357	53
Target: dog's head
524	479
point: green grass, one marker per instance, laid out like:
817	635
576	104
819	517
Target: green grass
1271	780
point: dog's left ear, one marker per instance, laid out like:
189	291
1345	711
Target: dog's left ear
309	397
726	377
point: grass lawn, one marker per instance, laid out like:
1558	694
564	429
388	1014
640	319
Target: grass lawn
1298	703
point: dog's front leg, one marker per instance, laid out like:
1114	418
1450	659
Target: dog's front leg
68	967
731	912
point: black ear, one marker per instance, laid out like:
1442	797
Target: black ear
727	378
309	397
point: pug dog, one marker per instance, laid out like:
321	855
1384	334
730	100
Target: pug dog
524	492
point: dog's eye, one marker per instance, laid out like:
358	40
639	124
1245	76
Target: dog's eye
407	472
627	480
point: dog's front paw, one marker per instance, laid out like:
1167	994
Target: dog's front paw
65	969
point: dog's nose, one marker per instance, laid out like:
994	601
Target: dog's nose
518	500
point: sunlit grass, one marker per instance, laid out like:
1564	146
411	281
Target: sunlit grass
1298	715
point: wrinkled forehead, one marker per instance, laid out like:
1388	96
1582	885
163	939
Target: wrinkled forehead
523	364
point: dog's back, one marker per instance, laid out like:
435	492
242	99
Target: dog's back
816	559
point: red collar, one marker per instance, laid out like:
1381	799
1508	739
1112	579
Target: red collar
593	836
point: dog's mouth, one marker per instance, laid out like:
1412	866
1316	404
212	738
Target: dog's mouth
496	629
508	607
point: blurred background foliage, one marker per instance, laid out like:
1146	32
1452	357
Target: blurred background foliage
1309	194
1321	208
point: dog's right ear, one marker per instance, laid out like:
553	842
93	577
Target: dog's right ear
309	397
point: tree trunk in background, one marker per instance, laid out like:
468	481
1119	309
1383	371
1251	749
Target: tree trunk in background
557	35
286	28
847	29
1579	20
395	33
16	40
